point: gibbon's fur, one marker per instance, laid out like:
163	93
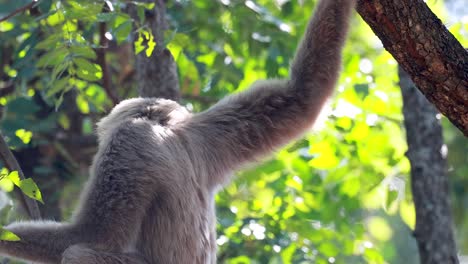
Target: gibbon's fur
150	196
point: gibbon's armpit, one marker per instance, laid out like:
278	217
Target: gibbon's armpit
150	196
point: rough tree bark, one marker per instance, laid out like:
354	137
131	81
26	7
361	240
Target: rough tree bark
156	75
427	51
429	181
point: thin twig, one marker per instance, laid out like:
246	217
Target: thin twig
101	60
11	163
199	98
19	10
6	90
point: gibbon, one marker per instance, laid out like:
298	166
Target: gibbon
150	195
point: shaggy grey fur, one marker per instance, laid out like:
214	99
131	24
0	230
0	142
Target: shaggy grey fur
150	197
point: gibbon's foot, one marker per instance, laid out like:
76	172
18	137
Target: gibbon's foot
81	254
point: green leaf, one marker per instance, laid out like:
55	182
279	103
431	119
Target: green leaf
29	187
408	213
181	39
139	47
240	260
85	65
55	19
50	42
141	13
82	104
145	5
392	197
120	19
329	249
87	76
7	185
351	187
86	70
145	42
288	253
59	101
14	177
3	173
122	31
82	10
83	51
24	135
326	157
106	17
6	26
379	228
45	15
59	70
53	58
151	45
58	86
8	235
373	255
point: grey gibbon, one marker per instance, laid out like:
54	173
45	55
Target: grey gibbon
150	195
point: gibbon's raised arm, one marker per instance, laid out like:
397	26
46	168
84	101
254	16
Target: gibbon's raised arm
250	124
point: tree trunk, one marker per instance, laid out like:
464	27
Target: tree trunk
427	51
429	181
157	74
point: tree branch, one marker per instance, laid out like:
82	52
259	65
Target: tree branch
429	181
19	10
202	99
11	163
426	50
101	60
8	89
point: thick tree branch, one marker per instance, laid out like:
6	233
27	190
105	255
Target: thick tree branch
429	181
156	75
19	10
422	45
11	163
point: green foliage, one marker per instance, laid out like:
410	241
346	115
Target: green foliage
20	122
145	42
7	235
27	186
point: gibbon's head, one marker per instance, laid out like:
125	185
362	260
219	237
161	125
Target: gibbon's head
156	111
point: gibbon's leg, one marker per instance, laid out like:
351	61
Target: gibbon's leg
80	254
111	208
248	125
